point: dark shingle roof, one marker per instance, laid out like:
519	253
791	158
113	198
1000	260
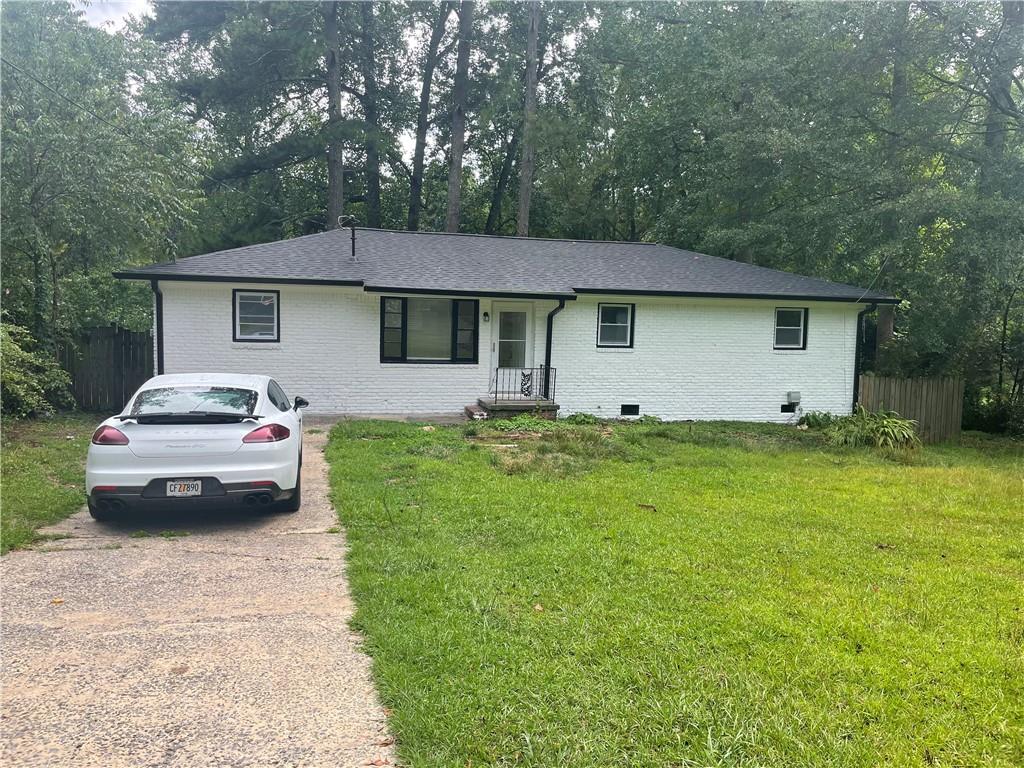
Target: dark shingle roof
480	264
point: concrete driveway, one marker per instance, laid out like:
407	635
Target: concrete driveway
131	645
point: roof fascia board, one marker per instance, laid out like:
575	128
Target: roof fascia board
709	295
487	294
230	279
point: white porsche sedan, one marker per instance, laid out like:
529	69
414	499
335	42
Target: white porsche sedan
198	439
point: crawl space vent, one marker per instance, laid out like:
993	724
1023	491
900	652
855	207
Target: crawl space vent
629	409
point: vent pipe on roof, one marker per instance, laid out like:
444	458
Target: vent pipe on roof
350	222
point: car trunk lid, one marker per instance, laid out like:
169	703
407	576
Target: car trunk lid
161	440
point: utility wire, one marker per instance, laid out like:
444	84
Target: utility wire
150	147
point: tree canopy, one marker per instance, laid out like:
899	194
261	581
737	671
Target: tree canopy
873	143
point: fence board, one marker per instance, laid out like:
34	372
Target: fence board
106	366
936	404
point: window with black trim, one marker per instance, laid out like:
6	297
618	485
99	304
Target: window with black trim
255	315
615	325
427	330
791	327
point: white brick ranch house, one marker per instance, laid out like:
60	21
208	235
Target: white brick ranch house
427	323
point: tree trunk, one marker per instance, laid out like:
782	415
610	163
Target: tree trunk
498	193
1007	58
529	117
335	164
335	152
371	110
459	118
423	118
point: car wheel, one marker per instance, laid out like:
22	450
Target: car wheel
101	515
293	504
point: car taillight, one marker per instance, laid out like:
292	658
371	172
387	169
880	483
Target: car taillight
109	436
271	433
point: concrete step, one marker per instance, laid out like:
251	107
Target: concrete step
474	411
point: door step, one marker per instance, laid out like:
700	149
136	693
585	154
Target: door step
506	409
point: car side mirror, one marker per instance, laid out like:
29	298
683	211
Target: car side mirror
301	402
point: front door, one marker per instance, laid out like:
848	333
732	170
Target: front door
511	341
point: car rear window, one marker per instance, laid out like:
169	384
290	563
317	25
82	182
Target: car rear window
191	399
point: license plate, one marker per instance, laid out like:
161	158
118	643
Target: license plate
185	488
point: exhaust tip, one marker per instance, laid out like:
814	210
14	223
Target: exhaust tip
264	498
250	500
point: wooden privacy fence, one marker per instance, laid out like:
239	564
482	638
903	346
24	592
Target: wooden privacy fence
937	405
107	365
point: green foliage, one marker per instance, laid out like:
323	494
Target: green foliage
581	418
818	419
683	603
31	382
84	195
526	422
885	429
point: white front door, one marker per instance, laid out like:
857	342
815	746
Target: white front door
511	337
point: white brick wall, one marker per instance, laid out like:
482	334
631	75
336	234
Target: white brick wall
692	358
704	359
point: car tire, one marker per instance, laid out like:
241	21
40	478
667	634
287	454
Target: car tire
101	515
293	503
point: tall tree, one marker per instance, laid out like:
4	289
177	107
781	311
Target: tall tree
335	148
529	119
371	110
430	59
458	134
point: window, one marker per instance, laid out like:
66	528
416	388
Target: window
415	330
278	397
615	325
791	328
256	315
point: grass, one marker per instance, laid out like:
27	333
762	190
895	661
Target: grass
686	595
43	463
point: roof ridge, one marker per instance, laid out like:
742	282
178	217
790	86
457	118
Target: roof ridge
506	237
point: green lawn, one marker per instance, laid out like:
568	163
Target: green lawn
43	462
676	595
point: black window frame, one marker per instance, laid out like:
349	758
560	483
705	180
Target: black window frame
806	313
453	359
234	316
632	324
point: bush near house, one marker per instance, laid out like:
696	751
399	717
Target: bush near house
686	594
31	383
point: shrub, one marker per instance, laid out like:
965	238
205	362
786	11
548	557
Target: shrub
581	418
30	382
818	419
995	414
885	429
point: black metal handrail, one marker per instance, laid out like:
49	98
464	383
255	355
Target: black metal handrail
518	384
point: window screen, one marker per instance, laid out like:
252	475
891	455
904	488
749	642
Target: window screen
615	325
256	316
790	328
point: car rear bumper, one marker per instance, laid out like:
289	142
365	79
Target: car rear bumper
153	496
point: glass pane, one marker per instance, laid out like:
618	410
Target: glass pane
512	325
393	305
615	334
256	305
429	336
392	349
393	336
467	315
787	337
464	349
789	318
184	399
392	320
511	354
255	331
613	314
